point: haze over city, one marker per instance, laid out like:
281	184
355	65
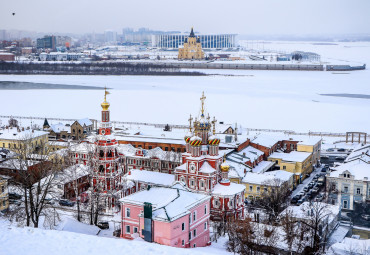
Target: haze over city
242	17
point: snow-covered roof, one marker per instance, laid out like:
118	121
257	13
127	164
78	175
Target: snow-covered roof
57	128
207	168
151	177
265	140
85	121
18	164
16	134
73	173
231	190
350	246
82	147
262	166
265	178
168	204
360	152
294	156
358	168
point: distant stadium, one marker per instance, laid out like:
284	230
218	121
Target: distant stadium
211	41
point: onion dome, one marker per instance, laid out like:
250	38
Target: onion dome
187	137
213	140
105	105
195	141
225	167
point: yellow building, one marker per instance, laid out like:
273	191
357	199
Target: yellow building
298	163
13	138
256	184
192	48
312	145
4	196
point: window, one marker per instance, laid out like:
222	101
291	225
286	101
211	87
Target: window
135	229
183	226
192	183
2	189
183	242
166	148
358	191
258	189
195	245
205	209
189	219
265	189
194	216
251	188
345	204
189	235
205	225
128	229
194	233
150	147
284	167
346	189
128	212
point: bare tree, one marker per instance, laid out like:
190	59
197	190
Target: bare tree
35	178
274	198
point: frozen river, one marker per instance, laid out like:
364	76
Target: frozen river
256	99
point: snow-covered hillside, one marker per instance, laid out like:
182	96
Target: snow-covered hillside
30	241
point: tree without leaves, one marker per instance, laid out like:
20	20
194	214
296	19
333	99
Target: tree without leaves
275	198
35	179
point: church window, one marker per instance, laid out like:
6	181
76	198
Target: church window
101	169
128	229
128	212
110	154
135	229
101	153
195	216
183	226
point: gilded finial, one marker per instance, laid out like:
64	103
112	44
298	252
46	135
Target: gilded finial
214	125
202	99
190	120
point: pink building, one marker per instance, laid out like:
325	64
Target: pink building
168	216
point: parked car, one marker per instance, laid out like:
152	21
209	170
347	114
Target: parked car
302	193
319	198
103	224
310	185
294	200
300	201
297	197
66	203
15	202
305	189
14	196
341	150
365	216
330	150
315	189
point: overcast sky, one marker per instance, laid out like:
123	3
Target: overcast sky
207	16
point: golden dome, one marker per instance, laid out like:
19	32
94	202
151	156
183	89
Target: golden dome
225	167
105	105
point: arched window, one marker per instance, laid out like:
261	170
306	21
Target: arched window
110	154
101	169
101	153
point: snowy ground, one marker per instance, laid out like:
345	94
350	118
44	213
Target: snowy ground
256	99
40	241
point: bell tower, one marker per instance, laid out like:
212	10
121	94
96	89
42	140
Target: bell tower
105	127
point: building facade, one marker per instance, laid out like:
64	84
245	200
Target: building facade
192	48
168	216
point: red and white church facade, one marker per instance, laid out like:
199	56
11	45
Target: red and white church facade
203	169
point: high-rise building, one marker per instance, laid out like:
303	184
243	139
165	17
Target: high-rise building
47	42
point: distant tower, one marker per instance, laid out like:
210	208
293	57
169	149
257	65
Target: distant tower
46	124
107	170
192	48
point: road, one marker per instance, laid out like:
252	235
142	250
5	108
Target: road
306	181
